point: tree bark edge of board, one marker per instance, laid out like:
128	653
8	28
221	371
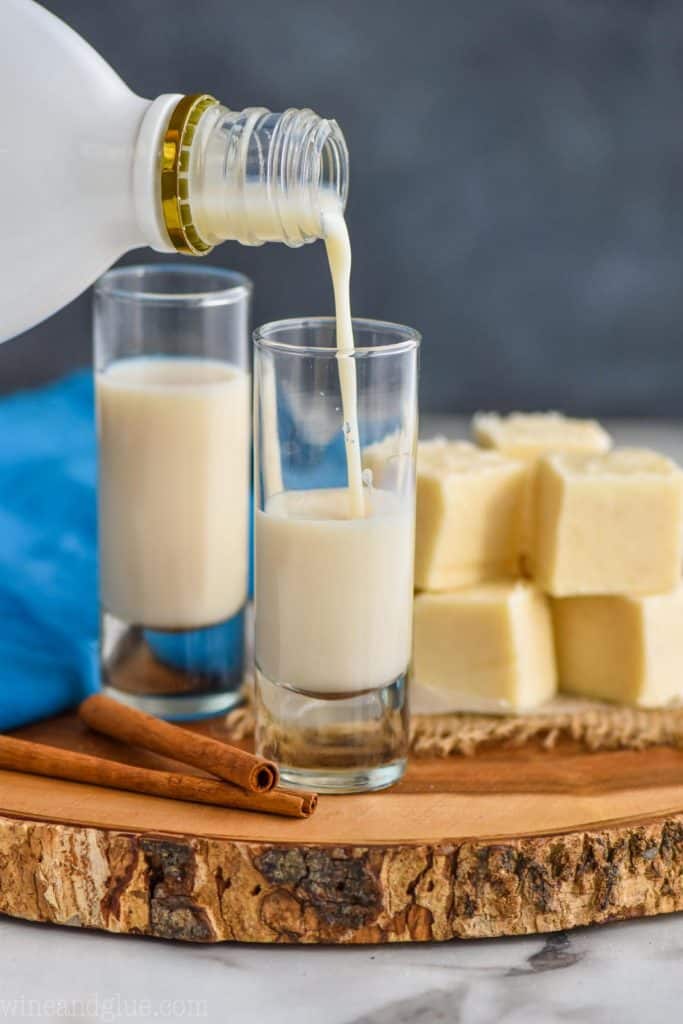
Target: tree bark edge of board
210	890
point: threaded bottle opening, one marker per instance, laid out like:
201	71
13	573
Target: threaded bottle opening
256	176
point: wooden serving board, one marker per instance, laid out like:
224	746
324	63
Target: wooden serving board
504	843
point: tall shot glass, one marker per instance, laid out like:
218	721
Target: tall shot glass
173	412
333	590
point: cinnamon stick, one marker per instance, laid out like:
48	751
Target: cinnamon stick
55	762
111	717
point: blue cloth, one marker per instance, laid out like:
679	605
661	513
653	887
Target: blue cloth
48	560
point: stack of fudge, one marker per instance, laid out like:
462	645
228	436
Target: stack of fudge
546	559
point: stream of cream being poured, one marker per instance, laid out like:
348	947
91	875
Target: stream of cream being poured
338	248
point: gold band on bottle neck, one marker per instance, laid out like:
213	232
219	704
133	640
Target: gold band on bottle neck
175	166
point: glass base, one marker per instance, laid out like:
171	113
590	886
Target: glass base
333	743
365	780
174	674
177	709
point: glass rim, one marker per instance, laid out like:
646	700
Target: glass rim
236	285
409	337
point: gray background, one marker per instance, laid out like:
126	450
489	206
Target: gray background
517	181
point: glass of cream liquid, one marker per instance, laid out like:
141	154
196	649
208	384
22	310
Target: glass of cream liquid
335	428
173	415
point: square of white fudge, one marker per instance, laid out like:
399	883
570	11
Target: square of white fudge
469	504
623	649
608	524
530	436
486	649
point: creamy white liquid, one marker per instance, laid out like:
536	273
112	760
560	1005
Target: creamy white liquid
333	591
252	215
174	447
339	257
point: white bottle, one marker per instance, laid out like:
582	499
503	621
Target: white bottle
89	170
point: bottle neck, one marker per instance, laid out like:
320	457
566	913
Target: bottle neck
251	176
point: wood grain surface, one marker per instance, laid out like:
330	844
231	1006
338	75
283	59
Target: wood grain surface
507	842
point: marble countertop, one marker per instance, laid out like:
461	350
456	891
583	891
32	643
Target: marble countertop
627	972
